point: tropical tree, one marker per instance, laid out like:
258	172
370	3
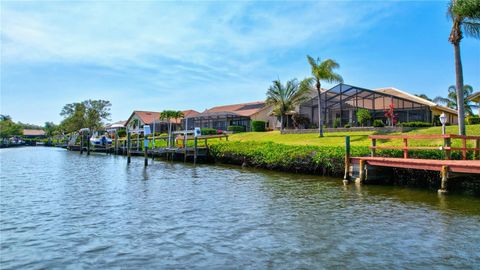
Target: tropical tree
424	97
50	128
465	15
167	115
451	99
284	98
9	128
86	114
322	71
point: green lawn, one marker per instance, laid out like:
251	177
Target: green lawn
338	138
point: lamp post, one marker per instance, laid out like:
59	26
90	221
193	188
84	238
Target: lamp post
443	120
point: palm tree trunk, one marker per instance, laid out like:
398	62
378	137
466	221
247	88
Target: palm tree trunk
459	86
320	120
281	122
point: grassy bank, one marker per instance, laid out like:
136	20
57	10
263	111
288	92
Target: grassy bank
310	154
338	139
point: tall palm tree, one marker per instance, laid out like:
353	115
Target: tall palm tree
285	98
322	71
167	115
465	16
451	100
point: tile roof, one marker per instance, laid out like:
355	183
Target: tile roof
402	94
33	132
242	109
148	117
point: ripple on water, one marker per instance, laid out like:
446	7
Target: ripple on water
62	210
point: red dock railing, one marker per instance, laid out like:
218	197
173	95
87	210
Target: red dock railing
446	147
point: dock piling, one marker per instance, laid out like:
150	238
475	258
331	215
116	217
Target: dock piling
444	174
346	177
128	147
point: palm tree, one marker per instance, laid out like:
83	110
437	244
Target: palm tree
451	100
322	71
465	16
284	98
167	115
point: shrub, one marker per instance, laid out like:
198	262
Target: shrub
472	119
236	129
208	131
378	123
336	123
416	124
347	126
258	126
363	116
121	132
436	120
300	121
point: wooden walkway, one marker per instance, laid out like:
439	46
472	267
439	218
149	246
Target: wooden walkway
456	166
362	168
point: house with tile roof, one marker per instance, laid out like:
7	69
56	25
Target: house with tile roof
221	117
140	118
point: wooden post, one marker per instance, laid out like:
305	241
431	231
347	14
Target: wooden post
447	143
145	154
346	177
374	144
405	148
116	142
444	176
477	151
464	150
88	143
128	147
361	176
195	151
81	143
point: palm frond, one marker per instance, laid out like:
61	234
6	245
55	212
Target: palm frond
441	100
471	29
312	62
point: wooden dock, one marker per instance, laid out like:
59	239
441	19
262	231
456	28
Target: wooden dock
362	169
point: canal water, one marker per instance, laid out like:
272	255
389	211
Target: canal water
66	211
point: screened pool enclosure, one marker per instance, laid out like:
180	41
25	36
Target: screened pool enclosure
342	101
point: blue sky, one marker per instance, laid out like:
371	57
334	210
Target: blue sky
144	55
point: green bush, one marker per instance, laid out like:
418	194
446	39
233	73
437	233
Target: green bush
208	131
416	124
378	123
336	123
302	158
436	120
363	116
347	126
258	126
472	120
121	132
236	129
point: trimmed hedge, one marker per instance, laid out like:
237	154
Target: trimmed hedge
327	160
378	123
236	129
472	119
208	131
416	124
258	126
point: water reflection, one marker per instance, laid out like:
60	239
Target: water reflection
98	212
